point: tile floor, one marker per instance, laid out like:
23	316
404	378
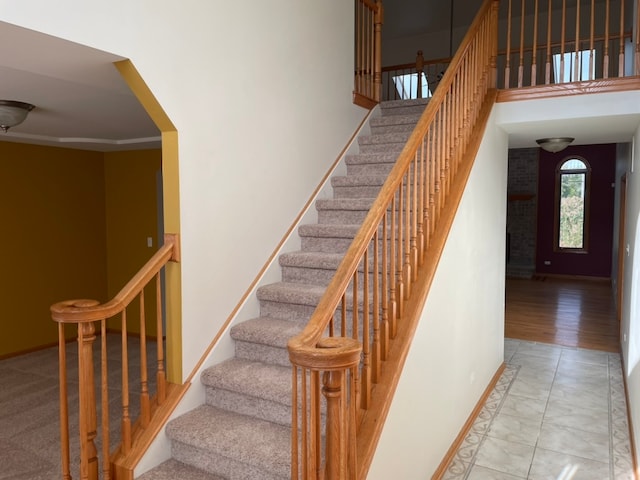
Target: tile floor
556	413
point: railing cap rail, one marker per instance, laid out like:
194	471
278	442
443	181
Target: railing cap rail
84	310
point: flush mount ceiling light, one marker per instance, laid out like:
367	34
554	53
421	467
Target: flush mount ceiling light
555	144
13	113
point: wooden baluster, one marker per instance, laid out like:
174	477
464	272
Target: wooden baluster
377	307
393	296
316	431
145	406
407	276
343	313
366	347
605	60
87	398
577	60
352	421
621	47
507	68
419	71
64	403
422	208
377	75
400	292
336	448
104	374
592	59
161	377
521	64
415	214
295	449
384	329
306	466
562	35
547	68
126	419
535	44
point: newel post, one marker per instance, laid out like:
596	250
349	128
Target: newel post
377	66
419	70
87	398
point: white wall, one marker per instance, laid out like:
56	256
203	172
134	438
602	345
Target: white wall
630	327
260	93
458	345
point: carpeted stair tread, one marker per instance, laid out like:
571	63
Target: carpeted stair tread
274	332
296	293
384	138
320	260
354	204
255	379
174	470
208	431
357	180
392	120
367	158
328	230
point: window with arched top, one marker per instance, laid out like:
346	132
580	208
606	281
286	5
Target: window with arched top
572	205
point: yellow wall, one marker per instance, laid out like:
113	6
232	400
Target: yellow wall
52	205
131	183
74	225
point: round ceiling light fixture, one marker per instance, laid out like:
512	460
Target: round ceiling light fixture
554	144
13	113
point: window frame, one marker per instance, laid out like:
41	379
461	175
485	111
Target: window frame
587	202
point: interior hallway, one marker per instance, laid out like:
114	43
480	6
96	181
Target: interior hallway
559	409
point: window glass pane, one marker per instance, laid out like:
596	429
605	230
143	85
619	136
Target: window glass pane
565	71
572	208
573	164
407	86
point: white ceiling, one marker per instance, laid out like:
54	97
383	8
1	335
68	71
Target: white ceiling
82	101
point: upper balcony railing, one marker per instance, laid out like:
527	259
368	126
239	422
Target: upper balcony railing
541	42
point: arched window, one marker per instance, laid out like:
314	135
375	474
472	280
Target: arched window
572	205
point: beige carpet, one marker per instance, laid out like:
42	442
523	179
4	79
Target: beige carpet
29	409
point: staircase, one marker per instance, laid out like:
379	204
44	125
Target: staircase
243	429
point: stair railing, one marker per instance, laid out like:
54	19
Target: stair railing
85	314
413	80
368	54
557	41
341	352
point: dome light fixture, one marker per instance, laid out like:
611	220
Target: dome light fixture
554	144
13	113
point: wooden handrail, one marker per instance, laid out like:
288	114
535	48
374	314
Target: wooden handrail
86	314
366	298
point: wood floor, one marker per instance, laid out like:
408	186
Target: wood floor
573	313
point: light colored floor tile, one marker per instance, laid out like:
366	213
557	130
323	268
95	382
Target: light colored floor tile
534	361
481	473
506	457
571	441
575	394
585	356
548	465
594	420
540	349
515	429
529	389
577	370
518	406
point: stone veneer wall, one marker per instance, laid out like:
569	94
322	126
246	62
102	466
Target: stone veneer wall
522	192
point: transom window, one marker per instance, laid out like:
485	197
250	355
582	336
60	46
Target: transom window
572	205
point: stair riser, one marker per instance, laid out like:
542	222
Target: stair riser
250	406
325	244
399	128
336	217
365	191
262	353
370	169
382	148
315	276
221	465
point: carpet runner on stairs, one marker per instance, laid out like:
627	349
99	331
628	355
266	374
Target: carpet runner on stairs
243	429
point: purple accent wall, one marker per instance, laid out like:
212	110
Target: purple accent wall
597	262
